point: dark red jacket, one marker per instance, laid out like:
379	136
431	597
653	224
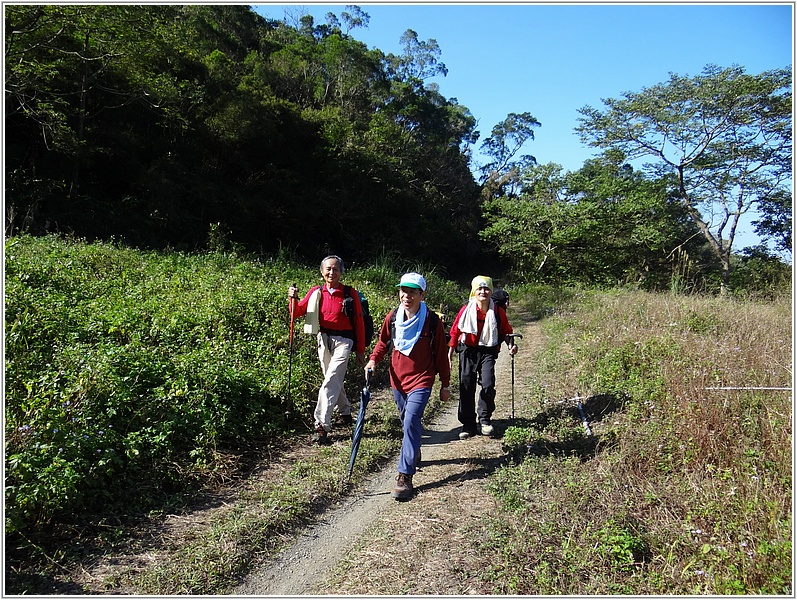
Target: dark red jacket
418	370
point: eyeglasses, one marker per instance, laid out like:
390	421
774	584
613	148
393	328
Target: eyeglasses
410	291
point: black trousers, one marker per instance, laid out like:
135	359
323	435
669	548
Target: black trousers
476	367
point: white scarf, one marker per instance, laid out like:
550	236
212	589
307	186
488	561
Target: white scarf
311	324
468	323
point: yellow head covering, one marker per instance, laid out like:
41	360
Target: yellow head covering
480	281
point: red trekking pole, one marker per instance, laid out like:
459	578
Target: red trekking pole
291	309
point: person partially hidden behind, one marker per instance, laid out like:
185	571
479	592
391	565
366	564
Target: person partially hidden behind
337	335
418	343
476	335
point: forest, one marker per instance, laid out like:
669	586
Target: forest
191	127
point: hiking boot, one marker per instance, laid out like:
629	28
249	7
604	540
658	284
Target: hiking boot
466	433
487	429
344	421
418	460
403	489
321	437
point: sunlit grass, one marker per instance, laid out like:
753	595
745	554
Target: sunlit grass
688	489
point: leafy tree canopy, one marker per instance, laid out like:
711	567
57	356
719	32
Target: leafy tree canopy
724	136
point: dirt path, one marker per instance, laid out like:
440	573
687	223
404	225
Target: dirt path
371	544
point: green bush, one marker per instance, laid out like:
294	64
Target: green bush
130	374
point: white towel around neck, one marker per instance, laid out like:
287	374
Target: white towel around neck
311	319
468	323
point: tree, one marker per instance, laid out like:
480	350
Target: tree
775	222
164	121
604	224
73	75
522	229
725	137
505	141
421	60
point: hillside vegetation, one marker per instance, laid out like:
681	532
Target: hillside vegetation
136	380
133	376
684	486
181	126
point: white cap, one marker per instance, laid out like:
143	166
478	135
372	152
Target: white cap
413	280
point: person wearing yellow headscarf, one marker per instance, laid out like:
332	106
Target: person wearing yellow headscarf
476	334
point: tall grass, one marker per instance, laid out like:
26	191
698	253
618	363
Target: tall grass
684	489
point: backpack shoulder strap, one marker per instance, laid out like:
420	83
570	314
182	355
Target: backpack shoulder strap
433	318
499	319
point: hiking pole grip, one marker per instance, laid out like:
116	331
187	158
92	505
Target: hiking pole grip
511	337
292	307
368	374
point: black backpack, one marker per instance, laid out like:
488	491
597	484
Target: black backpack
501	298
348	308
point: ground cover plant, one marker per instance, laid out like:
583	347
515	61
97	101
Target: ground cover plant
682	487
134	379
183	358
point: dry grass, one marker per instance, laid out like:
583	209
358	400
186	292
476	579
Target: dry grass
689	489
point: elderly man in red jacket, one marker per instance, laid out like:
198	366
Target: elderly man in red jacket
418	340
337	335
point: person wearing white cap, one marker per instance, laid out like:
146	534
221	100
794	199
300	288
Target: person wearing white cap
476	334
418	343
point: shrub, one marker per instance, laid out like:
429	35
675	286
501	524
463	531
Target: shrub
130	375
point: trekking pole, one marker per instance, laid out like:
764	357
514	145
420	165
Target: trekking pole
291	309
512	337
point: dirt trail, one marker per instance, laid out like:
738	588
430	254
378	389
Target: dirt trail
373	545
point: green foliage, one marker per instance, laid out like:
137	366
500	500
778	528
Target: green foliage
623	547
604	224
501	174
517	439
759	274
132	374
152	123
775	222
723	138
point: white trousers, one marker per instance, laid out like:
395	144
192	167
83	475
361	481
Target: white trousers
333	353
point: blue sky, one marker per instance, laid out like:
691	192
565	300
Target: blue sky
552	59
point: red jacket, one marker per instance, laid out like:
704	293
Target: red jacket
472	340
331	316
418	370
